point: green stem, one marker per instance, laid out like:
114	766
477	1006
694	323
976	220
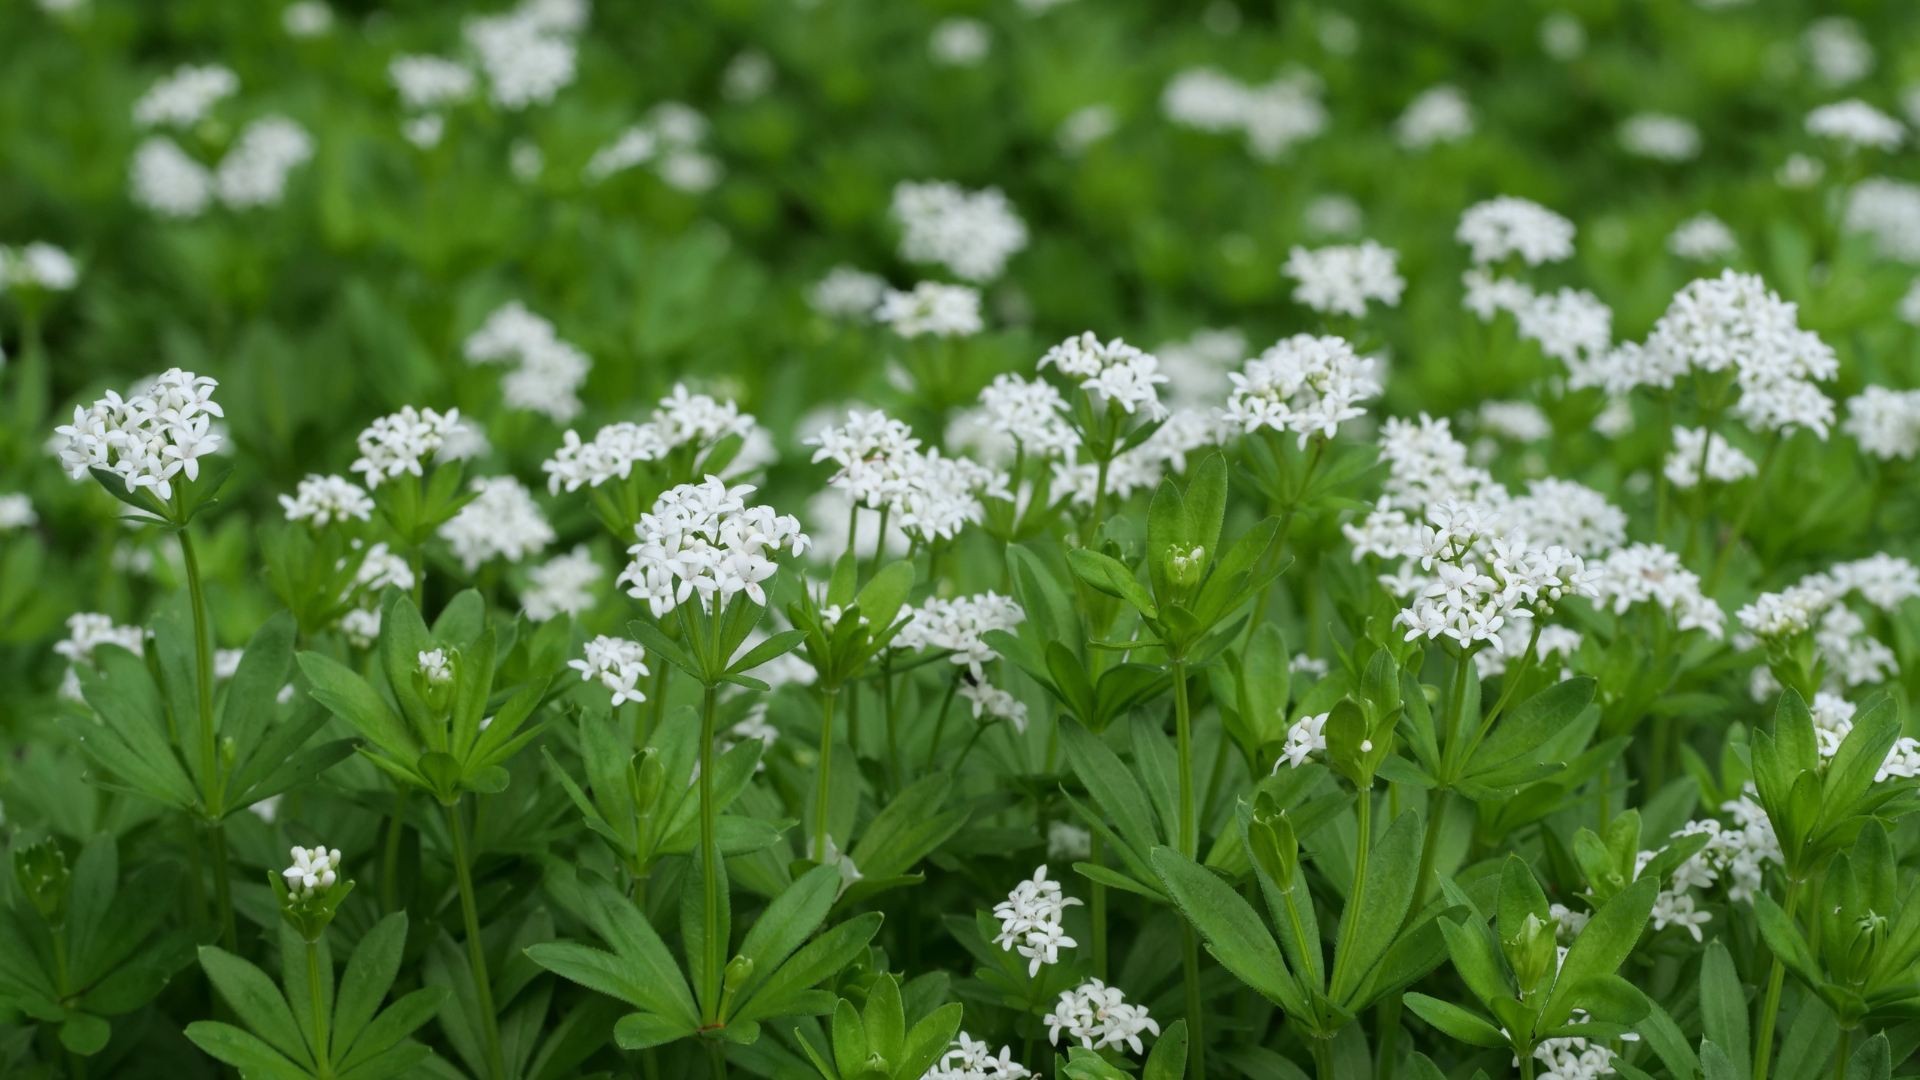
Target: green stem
893	734
940	725
1356	897
1387	1037
1097	855
1190	965
203	666
1740	520
322	1056
223	887
1526	1064
824	785
657	705
716	944
390	859
1099	503
1322	1047
1841	1053
979	729
717	1061
476	951
417	562
1189	846
1436	814
1770	1006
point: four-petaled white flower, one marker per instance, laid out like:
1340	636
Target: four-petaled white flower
313	870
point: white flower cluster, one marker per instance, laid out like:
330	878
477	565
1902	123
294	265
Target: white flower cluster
848	292
931	308
313	870
1506	225
428	84
882	467
1098	1015
16	512
957	625
1112	371
990	700
1645	573
1889	211
170	182
322	500
1792	611
1739	852
1306	737
528	54
1567	514
682	418
306	19
1426	466
1273	116
382	568
1521	421
1703	238
150	437
1573	1059
435	665
1304	384
616	664
1018	414
1839	52
973	234
1816	604
971	1059
38	265
563	585
1439	115
394	445
703	538
959	42
672	139
1198	366
185	97
1856	124
1735	321
547	372
1030	920
1661	137
1340	280
1484	579
87	631
503	522
1885	422
1725	463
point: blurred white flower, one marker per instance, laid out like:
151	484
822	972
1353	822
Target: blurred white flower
959	42
749	75
1660	137
1857	124
1885	422
1839	53
932	308
562	585
1703	238
503	522
1333	215
430	82
1273	116
322	500
847	293
254	172
528	54
1439	115
1562	36
38	265
16	512
306	19
1725	463
1889	211
1507	226
1521	421
972	234
1340	280
185	97
1084	127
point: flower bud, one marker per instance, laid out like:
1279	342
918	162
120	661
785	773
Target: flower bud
645	775
41	872
739	970
1274	847
1186	568
1533	954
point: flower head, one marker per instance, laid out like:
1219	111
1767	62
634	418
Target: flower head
1304	384
396	445
972	234
1340	280
615	663
1507	226
322	500
703	538
313	870
150	437
502	522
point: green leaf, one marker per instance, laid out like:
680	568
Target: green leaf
929	1040
1667	1041
1233	931
1723	1005
640	970
819	958
398	1021
1527	726
85	1035
1389	890
638	1031
884	1019
880	599
779	644
1112	577
1873	1060
256	1002
1113	787
369	975
348	696
787	923
1607	939
849	1040
1168	1059
252	694
1715	1064
1455	1021
1810	1041
227	1043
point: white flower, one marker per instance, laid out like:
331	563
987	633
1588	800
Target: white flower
1783	614
1725	462
254	172
322	500
306	19
1800	172
527	54
1029	414
1111	371
1857	124
1099	1016
503	522
1660	137
430	82
1571	325
681	419
1304	384
40	266
1439	115
1735	321
1487	294
1839	53
616	664
546	371
847	293
1646	573
1885	581
1703	238
1888	210
1030	920
671	139
1522	421
313	870
381	569
1507	226
958	624
1333	215
1084	127
150	437
932	308
1675	908
959	42
992	701
226	662
185	97
1196	368
1274	116
1909	307
1067	842
436	667
971	1059
394	445
881	467
87	631
748	76
1886	422
362	627
1570	922
972	234
1562	36
16	512
1574	516
167	181
1305	738
703	538
1340	280
1483	579
561	585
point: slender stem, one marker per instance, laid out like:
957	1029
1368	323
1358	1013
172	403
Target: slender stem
1746	510
223	887
1386	1028
1356	897
417	562
476	951
716	944
893	734
717	1061
1190	965
940	725
1526	1064
1099	503
1841	1054
390	859
1322	1047
1770	1006
1097	855
979	729
203	667
824	785
1429	845
657	704
322	1055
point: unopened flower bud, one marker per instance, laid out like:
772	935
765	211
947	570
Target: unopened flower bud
1532	954
1188	566
739	970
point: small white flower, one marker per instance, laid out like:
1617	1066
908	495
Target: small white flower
323	500
1030	921
16	512
396	445
960	42
1661	137
972	234
1341	280
931	308
185	97
313	870
1703	238
1098	1016
1507	226
503	522
617	664
703	538
1304	384
435	666
563	585
1439	115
